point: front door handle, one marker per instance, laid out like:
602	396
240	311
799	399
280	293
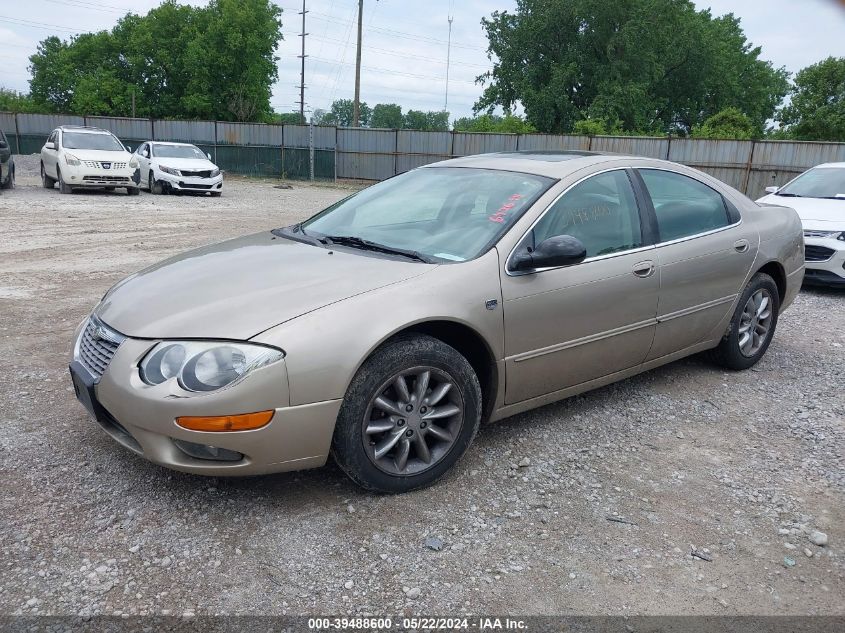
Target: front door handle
644	269
741	246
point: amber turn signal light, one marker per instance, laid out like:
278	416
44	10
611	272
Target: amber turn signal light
243	422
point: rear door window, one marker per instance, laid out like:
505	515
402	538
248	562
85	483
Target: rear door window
683	205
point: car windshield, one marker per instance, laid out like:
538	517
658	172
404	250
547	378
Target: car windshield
178	151
442	213
86	140
819	182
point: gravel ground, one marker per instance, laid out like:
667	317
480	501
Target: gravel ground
686	490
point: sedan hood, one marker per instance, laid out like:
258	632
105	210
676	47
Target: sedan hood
239	288
198	164
815	213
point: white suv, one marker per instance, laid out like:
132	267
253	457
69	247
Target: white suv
76	156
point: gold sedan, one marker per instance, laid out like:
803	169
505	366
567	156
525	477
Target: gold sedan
387	327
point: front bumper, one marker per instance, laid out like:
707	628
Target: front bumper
85	176
142	417
190	183
825	261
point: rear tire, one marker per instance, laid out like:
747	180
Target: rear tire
63	186
10	183
752	325
46	181
416	433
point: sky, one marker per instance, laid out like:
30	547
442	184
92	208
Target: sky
405	43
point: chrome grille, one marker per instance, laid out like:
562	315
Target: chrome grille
97	346
96	164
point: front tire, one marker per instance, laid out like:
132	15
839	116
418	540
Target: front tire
10	183
132	191
409	415
46	181
154	185
752	326
63	186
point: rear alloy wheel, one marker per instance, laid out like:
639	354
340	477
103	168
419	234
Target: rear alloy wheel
408	416
46	181
63	186
752	326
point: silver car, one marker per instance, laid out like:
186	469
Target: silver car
386	328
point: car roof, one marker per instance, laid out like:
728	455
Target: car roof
170	143
831	166
83	128
550	163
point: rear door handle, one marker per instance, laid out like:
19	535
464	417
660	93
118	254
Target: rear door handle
741	246
644	269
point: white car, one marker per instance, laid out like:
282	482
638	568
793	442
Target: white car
818	195
76	156
177	167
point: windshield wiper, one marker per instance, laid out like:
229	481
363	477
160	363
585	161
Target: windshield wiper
367	245
789	195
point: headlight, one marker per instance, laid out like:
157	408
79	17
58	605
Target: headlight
169	170
838	235
133	162
204	365
215	172
72	160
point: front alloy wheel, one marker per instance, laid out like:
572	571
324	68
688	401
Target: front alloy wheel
408	416
412	421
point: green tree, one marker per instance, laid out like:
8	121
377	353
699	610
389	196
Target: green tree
212	62
655	65
431	121
816	111
341	114
730	123
508	124
13	101
287	118
387	115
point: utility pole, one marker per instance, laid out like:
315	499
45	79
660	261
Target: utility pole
302	72
448	61
356	106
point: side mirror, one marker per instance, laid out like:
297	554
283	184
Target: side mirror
560	250
145	154
772	189
209	155
49	145
128	148
3	144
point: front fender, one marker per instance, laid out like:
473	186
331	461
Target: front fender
325	348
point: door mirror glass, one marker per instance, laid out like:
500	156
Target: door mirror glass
560	250
50	145
772	189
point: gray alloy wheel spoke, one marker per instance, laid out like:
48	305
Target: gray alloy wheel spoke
438	413
412	421
422	448
439	432
389	441
388	406
422	385
401	386
380	426
402	453
438	393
